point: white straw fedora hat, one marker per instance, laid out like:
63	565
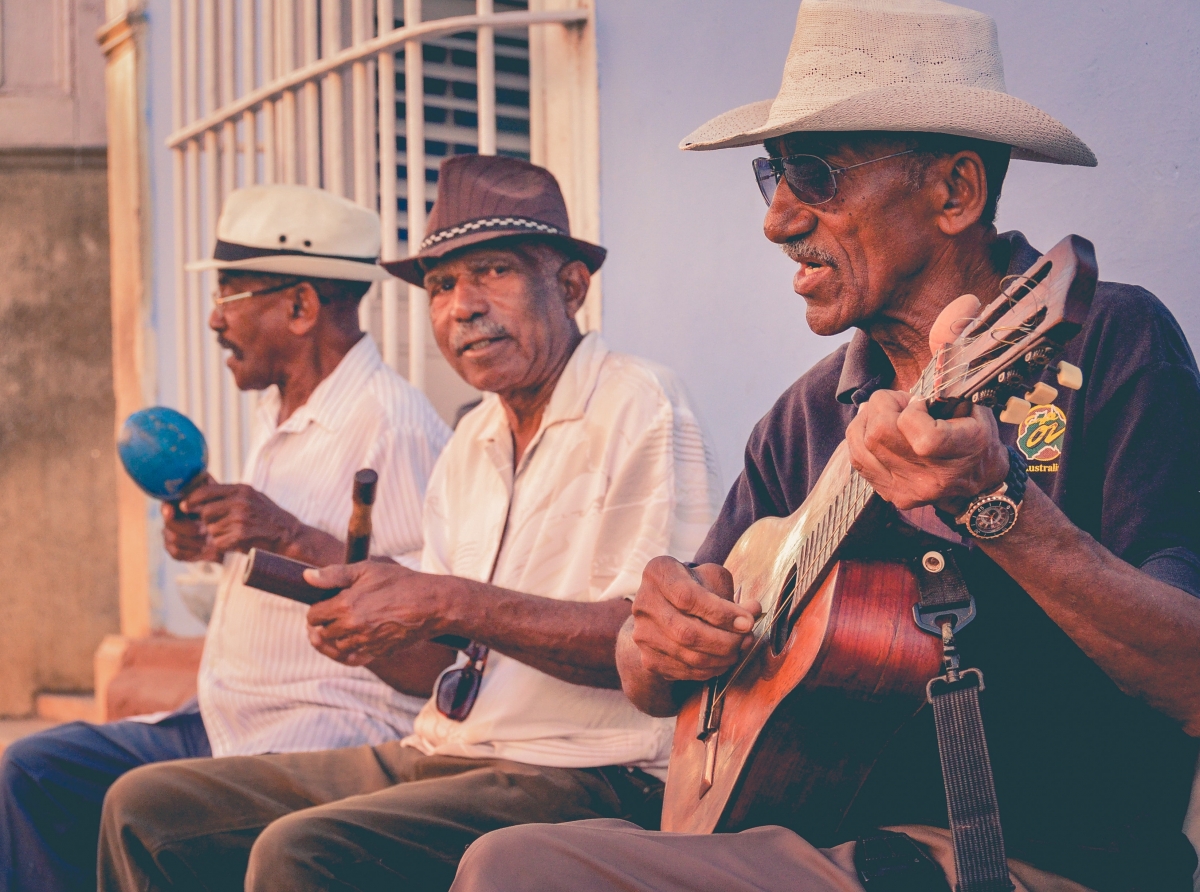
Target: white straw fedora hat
902	65
296	231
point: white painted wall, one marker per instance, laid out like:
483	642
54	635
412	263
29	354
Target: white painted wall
51	74
692	283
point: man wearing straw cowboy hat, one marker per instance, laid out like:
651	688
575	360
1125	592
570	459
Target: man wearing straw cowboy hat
888	144
580	465
292	265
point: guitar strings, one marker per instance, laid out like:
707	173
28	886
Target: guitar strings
805	577
861	492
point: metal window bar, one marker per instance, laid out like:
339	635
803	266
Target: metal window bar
386	90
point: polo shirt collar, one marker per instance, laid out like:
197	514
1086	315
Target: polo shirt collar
866	367
332	400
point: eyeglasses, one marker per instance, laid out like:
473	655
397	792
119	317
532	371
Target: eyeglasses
220	300
458	688
810	178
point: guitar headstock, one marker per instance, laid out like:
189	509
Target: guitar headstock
997	358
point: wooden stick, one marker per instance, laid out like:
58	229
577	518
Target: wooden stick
358	537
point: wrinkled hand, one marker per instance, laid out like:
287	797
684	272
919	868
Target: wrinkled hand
185	537
383	607
236	517
912	459
685	624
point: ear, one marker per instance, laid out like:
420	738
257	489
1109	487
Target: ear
963	191
574	280
305	309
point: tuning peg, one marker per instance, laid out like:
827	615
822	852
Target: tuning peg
1015	410
1042	394
1069	376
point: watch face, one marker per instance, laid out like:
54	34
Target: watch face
992	518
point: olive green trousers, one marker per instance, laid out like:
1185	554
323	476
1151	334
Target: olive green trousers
383	817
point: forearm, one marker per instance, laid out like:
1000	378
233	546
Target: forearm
312	546
649	692
571	640
1142	632
413	670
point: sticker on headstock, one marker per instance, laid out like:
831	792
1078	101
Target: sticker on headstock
1040	437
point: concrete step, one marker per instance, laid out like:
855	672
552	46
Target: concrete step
12	730
66	707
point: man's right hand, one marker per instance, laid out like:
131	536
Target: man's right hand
685	624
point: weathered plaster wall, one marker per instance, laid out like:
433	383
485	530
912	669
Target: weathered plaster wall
57	458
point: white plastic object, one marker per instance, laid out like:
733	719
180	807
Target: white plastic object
1042	394
1069	376
1015	410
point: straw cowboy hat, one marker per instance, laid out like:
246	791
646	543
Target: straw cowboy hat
903	65
296	231
481	198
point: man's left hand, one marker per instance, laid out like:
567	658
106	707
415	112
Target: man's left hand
912	459
238	517
383	607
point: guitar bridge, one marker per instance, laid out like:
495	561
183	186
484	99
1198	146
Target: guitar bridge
709	731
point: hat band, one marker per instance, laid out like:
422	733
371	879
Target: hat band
490	223
229	252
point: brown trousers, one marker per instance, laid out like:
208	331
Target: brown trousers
383	817
614	856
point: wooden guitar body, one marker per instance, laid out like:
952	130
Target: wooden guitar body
834	677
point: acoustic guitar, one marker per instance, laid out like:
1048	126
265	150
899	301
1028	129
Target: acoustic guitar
838	664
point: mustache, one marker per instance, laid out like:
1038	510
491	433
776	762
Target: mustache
230	346
475	330
802	252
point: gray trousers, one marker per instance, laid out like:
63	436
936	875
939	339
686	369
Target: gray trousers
384	817
614	856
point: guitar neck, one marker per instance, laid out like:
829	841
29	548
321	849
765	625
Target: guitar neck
826	539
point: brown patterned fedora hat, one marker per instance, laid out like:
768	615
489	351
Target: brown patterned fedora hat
481	198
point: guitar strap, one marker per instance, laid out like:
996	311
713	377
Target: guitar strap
945	607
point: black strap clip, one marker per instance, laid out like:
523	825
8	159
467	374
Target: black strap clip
932	617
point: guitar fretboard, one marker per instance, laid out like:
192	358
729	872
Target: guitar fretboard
823	543
820	546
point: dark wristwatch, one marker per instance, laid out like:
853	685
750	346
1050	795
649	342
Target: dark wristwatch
992	514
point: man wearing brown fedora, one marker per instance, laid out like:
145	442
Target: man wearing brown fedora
887	147
579	466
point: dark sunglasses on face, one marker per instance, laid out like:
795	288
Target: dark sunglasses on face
458	688
810	178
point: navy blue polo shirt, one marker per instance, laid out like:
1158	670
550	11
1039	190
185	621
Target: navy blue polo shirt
1092	784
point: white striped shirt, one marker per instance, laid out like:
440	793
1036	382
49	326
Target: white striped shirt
262	687
618	473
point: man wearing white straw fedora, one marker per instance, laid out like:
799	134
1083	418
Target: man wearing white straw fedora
292	265
887	147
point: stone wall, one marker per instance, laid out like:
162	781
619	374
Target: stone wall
57	457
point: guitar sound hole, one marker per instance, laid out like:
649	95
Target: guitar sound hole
781	625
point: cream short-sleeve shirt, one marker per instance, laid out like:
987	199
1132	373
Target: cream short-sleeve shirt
618	473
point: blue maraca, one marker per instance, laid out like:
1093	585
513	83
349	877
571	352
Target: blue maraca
163	451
